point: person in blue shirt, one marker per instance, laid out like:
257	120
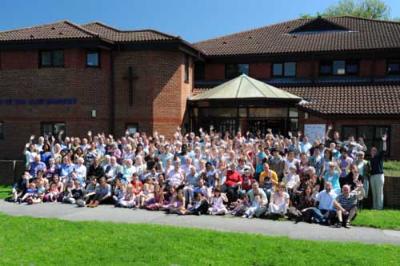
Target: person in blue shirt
325	201
36	165
66	169
305	146
46	154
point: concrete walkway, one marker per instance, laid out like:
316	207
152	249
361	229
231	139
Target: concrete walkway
220	223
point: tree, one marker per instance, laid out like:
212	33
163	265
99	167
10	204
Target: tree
372	9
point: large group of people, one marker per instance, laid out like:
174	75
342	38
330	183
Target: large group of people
252	175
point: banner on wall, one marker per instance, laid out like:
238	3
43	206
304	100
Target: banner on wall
314	132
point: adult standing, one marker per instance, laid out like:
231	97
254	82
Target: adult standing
377	178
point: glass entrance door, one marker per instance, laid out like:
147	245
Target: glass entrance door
278	126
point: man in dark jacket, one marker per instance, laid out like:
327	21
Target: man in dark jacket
377	178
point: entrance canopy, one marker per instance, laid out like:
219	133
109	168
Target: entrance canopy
245	87
247	104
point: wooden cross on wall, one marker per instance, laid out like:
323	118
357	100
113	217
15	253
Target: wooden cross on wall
131	77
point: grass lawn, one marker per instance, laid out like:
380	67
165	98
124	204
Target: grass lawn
392	168
35	241
4	191
386	219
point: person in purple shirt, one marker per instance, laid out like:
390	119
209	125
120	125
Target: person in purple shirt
344	162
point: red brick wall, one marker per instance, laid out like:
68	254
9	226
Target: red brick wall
90	87
260	70
380	68
304	69
160	91
366	68
19	59
214	72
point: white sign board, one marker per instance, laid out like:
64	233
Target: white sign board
314	132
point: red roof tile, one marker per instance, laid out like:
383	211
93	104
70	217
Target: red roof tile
53	31
307	35
346	99
128	36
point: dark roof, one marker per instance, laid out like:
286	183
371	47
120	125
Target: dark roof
54	31
128	36
346	99
68	30
308	35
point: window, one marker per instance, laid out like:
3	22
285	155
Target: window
351	67
290	69
393	67
92	59
132	128
187	62
293	119
52	128
287	69
372	135
325	68
1	130
53	58
277	70
338	67
199	71
234	70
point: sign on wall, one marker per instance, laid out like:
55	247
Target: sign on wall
314	132
39	101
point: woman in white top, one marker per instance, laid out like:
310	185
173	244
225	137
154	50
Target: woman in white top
279	201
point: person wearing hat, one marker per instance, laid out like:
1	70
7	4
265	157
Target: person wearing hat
248	179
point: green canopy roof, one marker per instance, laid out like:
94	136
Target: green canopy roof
245	87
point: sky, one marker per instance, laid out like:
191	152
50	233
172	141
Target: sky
193	20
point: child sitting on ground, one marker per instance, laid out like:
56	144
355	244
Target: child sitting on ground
119	190
217	204
90	190
128	199
241	205
255	205
199	204
177	206
32	195
53	193
279	201
148	191
102	195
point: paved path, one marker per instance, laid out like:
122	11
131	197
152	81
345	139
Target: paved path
220	223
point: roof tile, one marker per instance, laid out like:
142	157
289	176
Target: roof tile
288	37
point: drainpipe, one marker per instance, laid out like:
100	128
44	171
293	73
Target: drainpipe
112	95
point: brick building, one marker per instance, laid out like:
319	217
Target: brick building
346	70
95	77
76	78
